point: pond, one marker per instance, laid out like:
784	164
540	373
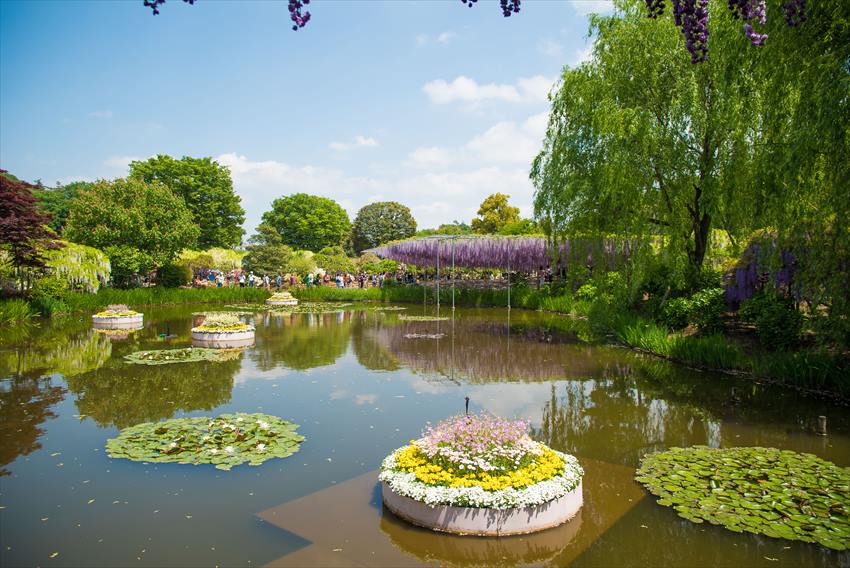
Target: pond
362	382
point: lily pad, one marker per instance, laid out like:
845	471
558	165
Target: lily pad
225	441
187	355
776	493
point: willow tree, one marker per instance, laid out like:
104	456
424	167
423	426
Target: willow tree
643	142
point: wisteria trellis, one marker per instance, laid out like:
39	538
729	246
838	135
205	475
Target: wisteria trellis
514	253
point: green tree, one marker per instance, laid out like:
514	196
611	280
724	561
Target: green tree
493	214
381	222
139	225
308	222
520	227
642	141
266	252
206	187
56	202
453	228
333	260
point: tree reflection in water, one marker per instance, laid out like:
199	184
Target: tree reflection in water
25	402
300	341
124	395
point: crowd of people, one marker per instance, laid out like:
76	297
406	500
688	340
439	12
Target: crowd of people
243	279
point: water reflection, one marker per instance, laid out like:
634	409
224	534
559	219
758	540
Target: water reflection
123	395
300	341
25	403
69	349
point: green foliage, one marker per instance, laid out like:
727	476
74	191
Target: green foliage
15	311
778	321
206	187
226	441
453	228
707	310
765	491
139	226
187	355
521	227
333	260
308	222
676	313
222	321
382	222
173	275
56	202
301	263
494	214
266	252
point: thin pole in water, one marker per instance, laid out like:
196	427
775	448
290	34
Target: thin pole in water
438	275
453	274
509	284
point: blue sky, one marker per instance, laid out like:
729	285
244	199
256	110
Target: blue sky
425	102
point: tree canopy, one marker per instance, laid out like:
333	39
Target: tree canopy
56	202
381	222
266	252
24	235
206	187
139	225
308	222
494	213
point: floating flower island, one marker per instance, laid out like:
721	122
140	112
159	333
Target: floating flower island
282	299
222	331
481	475
118	316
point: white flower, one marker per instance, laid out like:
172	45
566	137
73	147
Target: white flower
214	450
239	419
205	438
173	444
263	424
229	449
261	447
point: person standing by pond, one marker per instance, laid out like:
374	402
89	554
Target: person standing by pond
242	280
310	280
278	281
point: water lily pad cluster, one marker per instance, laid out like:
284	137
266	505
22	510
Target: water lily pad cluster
312	308
405	317
226	441
187	355
776	493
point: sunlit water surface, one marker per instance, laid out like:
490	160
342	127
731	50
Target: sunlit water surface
360	383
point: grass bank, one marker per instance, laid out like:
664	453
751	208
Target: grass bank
18	310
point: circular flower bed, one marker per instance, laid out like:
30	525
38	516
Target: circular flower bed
225	441
776	493
482	462
222	330
282	299
187	355
118	316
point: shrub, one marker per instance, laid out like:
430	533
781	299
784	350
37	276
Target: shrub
15	311
173	275
587	292
707	309
778	322
676	313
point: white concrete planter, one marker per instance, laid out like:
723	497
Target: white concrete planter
223	339
118	322
292	302
484	522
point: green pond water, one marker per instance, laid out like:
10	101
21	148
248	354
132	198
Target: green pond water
362	383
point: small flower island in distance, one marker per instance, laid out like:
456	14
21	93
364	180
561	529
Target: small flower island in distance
282	299
118	316
222	331
481	475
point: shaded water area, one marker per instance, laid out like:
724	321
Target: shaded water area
362	383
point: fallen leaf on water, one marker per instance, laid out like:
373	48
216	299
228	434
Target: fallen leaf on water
644	527
91	501
44	519
337	550
188	516
54	454
54	555
771	559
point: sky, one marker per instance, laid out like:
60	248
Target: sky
428	103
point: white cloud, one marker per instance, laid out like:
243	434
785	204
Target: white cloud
359	141
119	165
585	7
509	142
102	114
464	89
427	157
550	48
443	38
